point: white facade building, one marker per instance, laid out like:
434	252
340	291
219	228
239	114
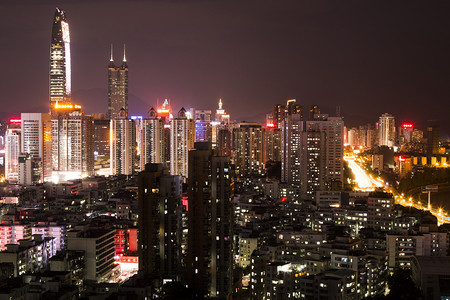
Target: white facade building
182	138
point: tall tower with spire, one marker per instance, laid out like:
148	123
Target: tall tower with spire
60	67
117	86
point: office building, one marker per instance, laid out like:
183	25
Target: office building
249	147
60	65
98	247
203	127
72	142
117	86
209	261
122	144
221	116
182	137
159	197
36	140
12	151
386	130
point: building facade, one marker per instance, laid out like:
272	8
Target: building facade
60	63
117	86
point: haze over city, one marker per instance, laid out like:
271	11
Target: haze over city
367	57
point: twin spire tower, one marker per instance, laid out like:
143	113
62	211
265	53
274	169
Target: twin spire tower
60	70
117	86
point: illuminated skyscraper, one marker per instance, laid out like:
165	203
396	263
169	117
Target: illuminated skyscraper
333	127
249	148
72	142
117	86
182	138
152	144
292	128
12	151
122	144
60	69
36	140
387	130
312	163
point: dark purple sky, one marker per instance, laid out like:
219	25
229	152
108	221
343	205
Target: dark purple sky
369	57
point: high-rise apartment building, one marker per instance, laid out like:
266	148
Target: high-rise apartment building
12	151
273	143
159	197
117	86
249	148
292	108
291	129
60	68
153	142
278	114
182	138
36	140
209	261
386	130
101	143
122	144
72	142
312	163
333	127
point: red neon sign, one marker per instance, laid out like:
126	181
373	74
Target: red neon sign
283	199
270	125
407	125
15	121
401	158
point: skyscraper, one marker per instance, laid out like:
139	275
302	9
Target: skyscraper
209	261
12	151
159	195
182	138
152	144
72	142
333	127
249	148
292	128
60	66
122	144
36	140
312	163
386	130
117	86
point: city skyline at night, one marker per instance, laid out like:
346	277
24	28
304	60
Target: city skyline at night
252	150
312	52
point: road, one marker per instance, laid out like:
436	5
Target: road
365	182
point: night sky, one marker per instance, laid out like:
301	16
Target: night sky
369	57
